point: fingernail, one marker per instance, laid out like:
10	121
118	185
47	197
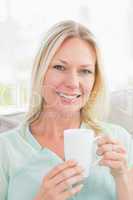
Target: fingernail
81	167
83	174
71	162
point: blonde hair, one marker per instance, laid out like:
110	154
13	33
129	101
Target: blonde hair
92	112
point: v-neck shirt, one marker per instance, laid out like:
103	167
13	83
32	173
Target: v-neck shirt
24	163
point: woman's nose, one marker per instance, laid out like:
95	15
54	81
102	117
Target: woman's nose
72	81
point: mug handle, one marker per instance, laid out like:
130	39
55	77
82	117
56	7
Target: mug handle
94	163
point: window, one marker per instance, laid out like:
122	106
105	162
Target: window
22	24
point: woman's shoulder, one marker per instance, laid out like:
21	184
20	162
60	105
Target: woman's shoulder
118	132
107	126
11	136
6	145
8	134
114	130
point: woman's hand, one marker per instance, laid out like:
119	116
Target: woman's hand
57	185
113	155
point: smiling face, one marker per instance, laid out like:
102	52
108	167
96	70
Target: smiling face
70	77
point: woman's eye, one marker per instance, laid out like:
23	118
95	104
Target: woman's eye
86	71
60	67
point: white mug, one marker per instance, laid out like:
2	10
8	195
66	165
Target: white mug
80	145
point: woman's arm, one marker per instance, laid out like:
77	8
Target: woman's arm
124	186
114	156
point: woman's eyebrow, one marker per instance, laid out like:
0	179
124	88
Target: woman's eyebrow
87	65
64	62
83	65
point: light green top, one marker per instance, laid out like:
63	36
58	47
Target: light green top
24	163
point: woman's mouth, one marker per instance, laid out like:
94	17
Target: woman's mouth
69	98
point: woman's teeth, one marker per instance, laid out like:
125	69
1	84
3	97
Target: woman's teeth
69	96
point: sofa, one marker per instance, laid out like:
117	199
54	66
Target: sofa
121	109
10	121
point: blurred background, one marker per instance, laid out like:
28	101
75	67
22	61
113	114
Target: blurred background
22	24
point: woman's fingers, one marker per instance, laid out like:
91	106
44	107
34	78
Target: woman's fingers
58	169
114	164
60	180
71	192
113	156
67	184
110	147
106	140
67	173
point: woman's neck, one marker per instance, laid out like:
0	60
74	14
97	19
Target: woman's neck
52	125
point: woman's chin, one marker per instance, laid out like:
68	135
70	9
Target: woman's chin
68	110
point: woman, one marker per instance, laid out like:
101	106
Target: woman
67	92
